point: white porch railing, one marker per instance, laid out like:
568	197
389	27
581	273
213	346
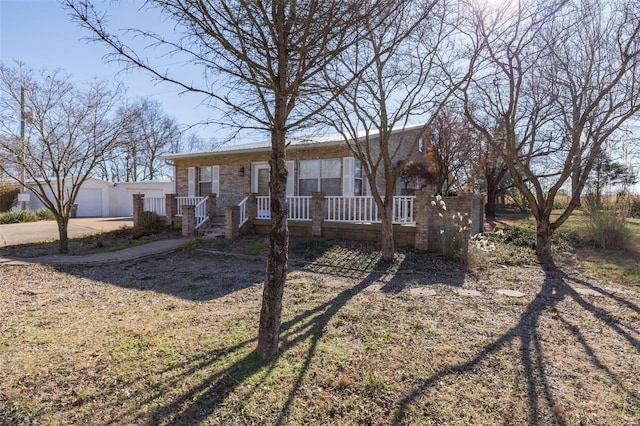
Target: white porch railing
201	212
263	207
403	209
362	209
186	201
299	208
243	212
156	205
351	209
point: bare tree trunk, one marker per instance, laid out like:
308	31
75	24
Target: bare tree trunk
492	197
543	238
268	334
63	243
388	248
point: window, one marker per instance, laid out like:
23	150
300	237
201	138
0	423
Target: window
320	175
421	145
357	178
208	180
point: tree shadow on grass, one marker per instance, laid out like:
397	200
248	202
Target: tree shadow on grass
554	290
198	401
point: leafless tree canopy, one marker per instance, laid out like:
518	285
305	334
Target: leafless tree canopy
563	78
404	71
150	133
260	63
70	129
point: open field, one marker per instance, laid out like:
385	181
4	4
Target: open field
170	340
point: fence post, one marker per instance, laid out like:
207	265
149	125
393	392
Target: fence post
189	221
212	206
231	222
138	208
422	213
170	208
318	209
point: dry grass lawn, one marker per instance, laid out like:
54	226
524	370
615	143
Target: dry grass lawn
169	340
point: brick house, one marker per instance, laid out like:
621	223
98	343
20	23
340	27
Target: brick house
319	164
327	191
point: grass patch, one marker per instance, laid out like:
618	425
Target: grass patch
168	340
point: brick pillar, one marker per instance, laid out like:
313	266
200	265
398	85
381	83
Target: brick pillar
188	221
252	206
421	213
318	209
138	208
231	222
171	208
212	206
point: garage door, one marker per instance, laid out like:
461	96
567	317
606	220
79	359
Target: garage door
89	202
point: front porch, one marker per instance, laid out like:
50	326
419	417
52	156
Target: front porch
418	220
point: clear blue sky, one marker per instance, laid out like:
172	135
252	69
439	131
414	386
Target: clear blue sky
40	34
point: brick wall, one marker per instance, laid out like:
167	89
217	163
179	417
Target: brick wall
235	168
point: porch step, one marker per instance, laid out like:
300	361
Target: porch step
211	232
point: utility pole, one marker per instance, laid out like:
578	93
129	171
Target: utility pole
23	204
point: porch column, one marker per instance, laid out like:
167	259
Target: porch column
188	221
252	206
138	208
170	208
231	222
318	209
212	205
422	213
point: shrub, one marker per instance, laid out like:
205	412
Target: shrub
607	224
454	232
634	205
18	216
45	214
8	195
149	221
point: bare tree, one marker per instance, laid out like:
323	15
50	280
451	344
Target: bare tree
563	78
403	74
450	143
71	129
260	62
150	134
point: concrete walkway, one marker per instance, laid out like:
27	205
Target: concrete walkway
131	253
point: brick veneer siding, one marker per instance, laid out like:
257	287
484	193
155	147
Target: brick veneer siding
234	184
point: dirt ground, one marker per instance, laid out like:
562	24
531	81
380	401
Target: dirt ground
170	340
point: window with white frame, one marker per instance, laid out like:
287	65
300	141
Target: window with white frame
357	178
320	176
208	180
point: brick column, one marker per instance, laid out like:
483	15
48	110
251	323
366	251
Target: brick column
231	222
421	213
212	206
252	206
188	221
170	208
138	208
318	209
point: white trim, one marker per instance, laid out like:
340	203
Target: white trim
254	174
348	170
191	179
291	178
215	179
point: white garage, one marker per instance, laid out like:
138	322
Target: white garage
98	198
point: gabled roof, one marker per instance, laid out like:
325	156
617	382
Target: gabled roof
292	143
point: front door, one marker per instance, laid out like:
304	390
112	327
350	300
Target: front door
260	186
263	180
